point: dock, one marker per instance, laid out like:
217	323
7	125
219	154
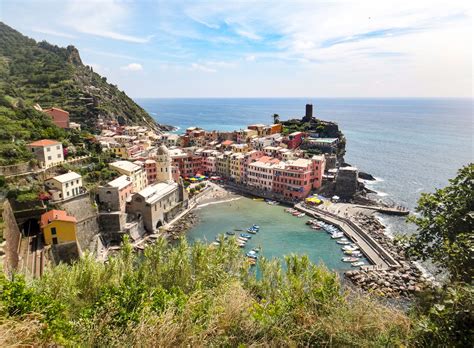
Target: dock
375	253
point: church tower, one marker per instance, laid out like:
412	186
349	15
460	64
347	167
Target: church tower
163	165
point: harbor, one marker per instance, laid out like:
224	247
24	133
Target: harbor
280	233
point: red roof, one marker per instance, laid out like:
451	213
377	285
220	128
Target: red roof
44	142
53	215
268	159
227	142
57	109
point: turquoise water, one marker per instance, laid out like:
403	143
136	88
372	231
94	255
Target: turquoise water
280	233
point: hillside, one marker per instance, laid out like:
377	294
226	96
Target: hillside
53	76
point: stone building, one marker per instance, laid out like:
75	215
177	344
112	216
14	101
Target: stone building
346	182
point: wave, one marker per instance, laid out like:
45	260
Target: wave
153	113
382	194
217	202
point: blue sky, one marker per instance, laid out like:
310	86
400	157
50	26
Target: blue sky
263	48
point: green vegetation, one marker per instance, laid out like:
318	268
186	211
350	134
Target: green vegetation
445	237
32	73
192	296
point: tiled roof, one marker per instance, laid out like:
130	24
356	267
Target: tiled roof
44	142
54	215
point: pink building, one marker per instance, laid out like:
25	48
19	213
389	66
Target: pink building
261	172
151	170
114	195
60	117
295	179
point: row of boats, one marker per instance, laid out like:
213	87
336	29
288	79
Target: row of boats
348	248
295	212
242	240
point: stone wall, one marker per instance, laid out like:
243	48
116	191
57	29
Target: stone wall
87	220
12	236
16	169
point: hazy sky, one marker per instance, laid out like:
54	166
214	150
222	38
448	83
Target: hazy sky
263	48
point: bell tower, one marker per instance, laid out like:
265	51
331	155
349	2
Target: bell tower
163	165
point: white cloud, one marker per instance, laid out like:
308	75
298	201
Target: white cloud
132	67
248	34
250	58
101	18
203	68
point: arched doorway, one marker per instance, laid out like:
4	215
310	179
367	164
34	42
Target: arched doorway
159	224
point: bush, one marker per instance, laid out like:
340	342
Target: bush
195	296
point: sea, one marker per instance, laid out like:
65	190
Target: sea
410	145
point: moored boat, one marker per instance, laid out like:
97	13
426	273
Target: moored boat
350	259
230	233
357	264
245	235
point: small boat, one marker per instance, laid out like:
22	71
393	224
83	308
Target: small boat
315	227
256	249
230	233
351	252
337	235
350	259
350	247
356	253
257	227
242	239
251	230
357	264
290	210
295	213
301	215
238	230
215	243
343	242
245	235
252	255
252	261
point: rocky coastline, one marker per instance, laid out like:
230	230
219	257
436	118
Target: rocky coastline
403	281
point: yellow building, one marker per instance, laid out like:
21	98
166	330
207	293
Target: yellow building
120	150
58	227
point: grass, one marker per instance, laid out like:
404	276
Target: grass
193	296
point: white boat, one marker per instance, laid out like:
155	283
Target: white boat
337	235
301	215
357	264
350	259
343	242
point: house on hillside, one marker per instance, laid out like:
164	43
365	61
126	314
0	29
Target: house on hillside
47	152
65	186
58	227
59	116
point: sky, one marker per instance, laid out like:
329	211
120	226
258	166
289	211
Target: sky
273	48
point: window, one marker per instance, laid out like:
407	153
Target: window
59	155
53	230
57	147
49	158
48	149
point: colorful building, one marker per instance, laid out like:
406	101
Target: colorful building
136	173
60	117
260	173
113	196
58	227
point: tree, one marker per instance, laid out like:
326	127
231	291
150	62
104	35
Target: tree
276	118
445	237
445	227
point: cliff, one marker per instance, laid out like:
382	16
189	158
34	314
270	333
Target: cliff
32	72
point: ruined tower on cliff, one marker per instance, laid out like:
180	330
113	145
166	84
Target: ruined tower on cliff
309	113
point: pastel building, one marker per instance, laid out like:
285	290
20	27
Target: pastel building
260	173
65	186
236	167
136	173
59	116
294	140
58	227
295	179
113	196
48	152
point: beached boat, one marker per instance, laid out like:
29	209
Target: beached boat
350	259
230	233
357	264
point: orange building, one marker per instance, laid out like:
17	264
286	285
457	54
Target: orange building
60	117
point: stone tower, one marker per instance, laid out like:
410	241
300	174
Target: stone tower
309	113
163	165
